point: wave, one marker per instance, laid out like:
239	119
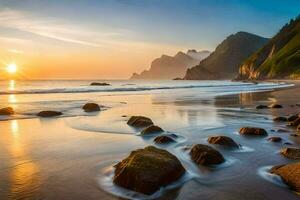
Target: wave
91	89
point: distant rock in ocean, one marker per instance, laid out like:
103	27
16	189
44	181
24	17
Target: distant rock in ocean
170	67
224	62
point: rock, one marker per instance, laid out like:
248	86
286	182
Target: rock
293	117
147	170
296	122
253	131
7	111
152	130
49	113
164	139
282	131
275	139
139	121
223	140
280	119
206	155
91	107
290	174
298	128
262	107
177	79
294	135
275	106
291	153
99	84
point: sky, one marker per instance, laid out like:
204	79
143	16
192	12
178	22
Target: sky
111	39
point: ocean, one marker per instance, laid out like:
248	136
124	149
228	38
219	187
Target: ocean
72	156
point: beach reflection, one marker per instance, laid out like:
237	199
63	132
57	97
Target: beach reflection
24	173
12	85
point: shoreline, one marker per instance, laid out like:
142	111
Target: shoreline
62	158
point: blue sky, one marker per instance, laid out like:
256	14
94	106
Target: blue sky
140	28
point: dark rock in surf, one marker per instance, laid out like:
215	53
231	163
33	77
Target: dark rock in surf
147	170
262	107
177	79
253	131
152	130
223	141
295	123
291	153
276	106
49	113
164	139
275	139
282	131
280	119
139	121
7	111
206	155
91	107
293	117
99	84
290	174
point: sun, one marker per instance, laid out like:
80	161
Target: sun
11	68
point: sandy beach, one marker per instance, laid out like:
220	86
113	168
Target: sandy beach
70	157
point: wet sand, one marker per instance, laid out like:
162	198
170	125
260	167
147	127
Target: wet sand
66	158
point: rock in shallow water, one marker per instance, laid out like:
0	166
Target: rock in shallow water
253	131
152	130
99	84
262	107
280	119
293	117
206	155
275	106
275	139
290	174
223	140
7	111
295	123
164	139
139	121
91	107
291	153
147	170
49	113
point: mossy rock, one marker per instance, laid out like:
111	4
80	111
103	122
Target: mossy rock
49	113
7	111
91	107
291	153
164	139
205	155
280	119
223	141
275	139
253	131
147	170
150	130
99	84
139	121
290	174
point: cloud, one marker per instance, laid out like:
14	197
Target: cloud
50	28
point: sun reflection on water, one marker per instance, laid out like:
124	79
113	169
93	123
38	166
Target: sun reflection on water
12	85
24	173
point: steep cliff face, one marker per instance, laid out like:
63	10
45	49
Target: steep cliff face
279	58
170	67
224	62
